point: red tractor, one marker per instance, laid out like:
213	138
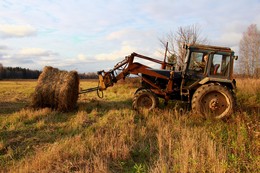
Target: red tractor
206	81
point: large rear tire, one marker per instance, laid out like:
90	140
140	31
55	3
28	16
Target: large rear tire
145	99
213	100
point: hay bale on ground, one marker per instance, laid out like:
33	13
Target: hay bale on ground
56	89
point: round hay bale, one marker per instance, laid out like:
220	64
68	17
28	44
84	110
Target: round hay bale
56	89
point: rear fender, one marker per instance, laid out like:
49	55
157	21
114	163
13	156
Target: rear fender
231	84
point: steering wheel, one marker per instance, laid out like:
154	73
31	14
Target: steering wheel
197	66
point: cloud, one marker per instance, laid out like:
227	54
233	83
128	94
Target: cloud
37	58
35	52
33	58
230	38
3	48
125	50
120	34
128	40
81	57
9	31
134	34
115	55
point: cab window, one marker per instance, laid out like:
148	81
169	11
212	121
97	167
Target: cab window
220	65
198	62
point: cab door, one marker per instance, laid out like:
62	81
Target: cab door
220	66
196	67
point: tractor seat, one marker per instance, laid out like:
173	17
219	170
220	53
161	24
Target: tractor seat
162	72
216	66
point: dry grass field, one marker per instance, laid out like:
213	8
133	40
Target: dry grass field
106	135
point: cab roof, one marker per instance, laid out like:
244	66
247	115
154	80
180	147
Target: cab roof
209	47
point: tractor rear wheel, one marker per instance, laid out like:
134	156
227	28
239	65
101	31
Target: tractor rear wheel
212	100
145	99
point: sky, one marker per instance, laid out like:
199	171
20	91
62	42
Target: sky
93	35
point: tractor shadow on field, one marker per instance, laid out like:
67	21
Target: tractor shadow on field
21	141
251	110
11	107
104	105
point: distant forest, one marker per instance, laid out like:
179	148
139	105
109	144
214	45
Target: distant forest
25	73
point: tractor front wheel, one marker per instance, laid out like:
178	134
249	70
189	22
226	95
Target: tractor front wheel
145	99
213	100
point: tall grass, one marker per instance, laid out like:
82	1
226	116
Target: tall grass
106	135
248	94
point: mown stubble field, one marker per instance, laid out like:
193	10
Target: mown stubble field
106	135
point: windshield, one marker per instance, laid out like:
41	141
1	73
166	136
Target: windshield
198	62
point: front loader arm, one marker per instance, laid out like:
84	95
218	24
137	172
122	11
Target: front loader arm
126	67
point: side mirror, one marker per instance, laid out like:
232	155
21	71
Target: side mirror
235	57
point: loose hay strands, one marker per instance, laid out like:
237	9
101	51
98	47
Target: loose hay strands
56	89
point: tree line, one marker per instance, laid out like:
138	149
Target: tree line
18	73
89	75
25	73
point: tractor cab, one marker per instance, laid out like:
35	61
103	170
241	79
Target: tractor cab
207	63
